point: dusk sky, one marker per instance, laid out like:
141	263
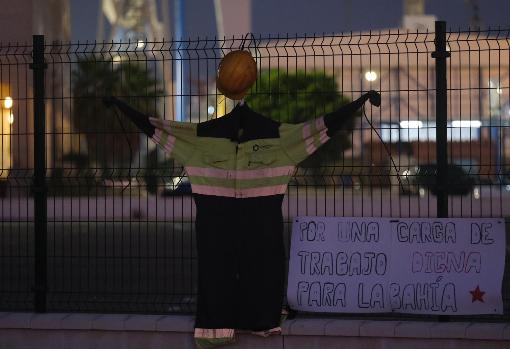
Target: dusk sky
310	16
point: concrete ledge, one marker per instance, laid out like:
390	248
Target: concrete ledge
296	327
110	322
448	330
78	322
15	320
486	331
28	330
176	323
413	329
343	328
378	328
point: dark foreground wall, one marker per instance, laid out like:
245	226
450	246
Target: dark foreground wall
81	331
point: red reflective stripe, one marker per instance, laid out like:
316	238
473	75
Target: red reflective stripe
262	191
310	146
238	193
323	136
212	190
163	124
307	131
266	172
169	145
240	174
157	135
206	172
319	124
214	332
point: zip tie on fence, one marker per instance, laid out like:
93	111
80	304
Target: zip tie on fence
130	148
385	147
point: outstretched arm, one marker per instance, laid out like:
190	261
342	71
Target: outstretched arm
340	118
139	119
177	138
302	140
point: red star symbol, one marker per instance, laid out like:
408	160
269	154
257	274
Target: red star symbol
477	294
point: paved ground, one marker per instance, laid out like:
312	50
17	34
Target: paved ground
491	202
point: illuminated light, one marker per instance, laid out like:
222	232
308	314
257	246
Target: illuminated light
406	173
411	124
117	59
467	123
8	102
371	76
210	110
10	118
494	84
140	44
476	193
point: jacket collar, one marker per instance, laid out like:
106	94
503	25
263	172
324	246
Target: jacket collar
242	117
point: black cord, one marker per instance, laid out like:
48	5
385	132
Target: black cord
385	147
130	148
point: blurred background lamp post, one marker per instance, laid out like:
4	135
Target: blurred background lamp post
5	127
8	102
371	76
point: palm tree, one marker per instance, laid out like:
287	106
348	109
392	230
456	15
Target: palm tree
297	97
106	132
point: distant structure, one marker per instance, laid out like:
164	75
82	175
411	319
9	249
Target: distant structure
474	20
19	21
139	21
133	19
233	17
414	7
414	17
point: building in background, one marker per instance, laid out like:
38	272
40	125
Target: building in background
399	64
19	21
403	71
414	17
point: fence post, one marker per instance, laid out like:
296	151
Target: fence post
440	55
39	185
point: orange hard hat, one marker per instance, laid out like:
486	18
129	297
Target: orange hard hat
237	72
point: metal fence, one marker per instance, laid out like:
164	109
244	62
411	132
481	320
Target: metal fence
92	215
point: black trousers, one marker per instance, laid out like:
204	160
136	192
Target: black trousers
240	262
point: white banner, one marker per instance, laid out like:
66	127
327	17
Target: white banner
411	265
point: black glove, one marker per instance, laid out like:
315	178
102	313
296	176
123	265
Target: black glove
108	101
140	119
374	97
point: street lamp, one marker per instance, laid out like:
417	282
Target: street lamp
370	76
411	124
8	102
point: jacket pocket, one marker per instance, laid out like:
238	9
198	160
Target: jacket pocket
215	160
261	160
